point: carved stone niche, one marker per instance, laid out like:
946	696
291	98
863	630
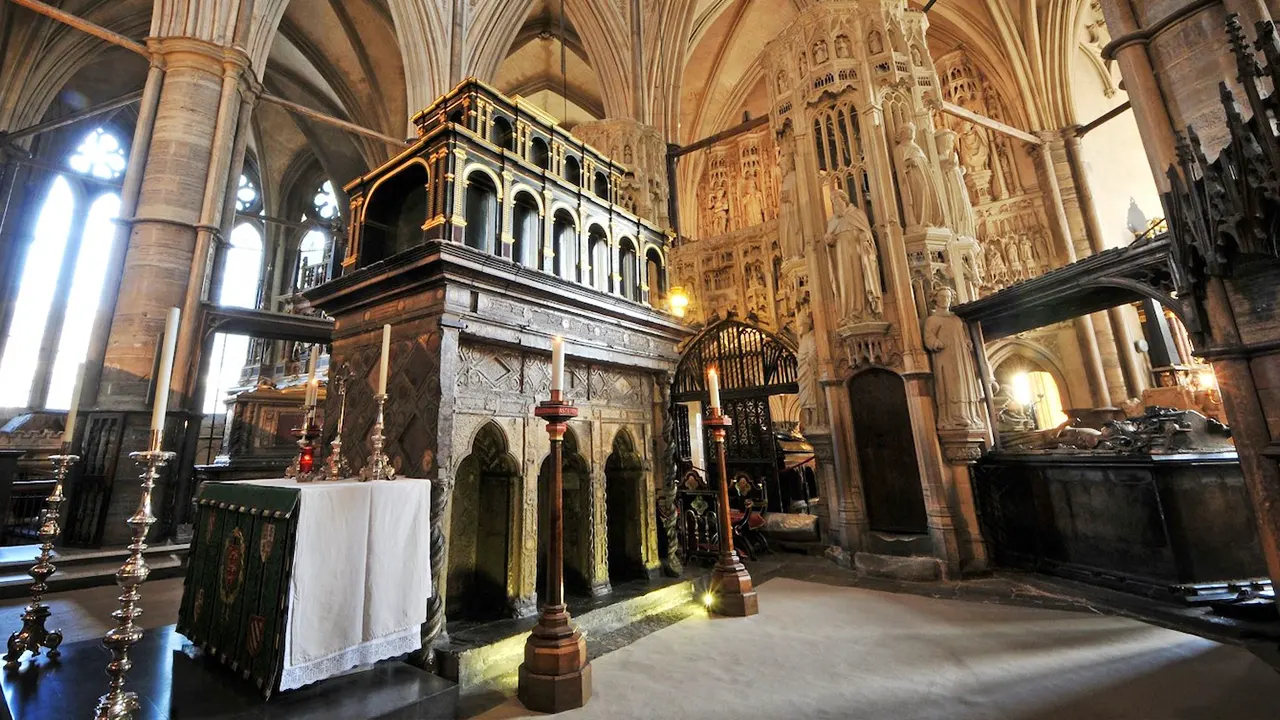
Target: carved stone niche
642	149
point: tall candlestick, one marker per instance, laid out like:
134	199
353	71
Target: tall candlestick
557	364
386	359
75	407
311	376
165	373
713	386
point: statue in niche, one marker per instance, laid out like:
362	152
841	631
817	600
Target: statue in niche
921	199
626	154
1028	254
844	49
961	210
1009	245
975	149
1008	172
806	369
782	81
804	63
875	42
789	228
955	374
853	261
717	210
996	268
972	276
819	52
752	201
916	58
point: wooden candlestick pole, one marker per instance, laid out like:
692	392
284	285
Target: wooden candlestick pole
555	675
731	590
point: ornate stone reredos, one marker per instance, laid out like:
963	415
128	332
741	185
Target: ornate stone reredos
863	46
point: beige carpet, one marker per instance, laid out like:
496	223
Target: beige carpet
817	651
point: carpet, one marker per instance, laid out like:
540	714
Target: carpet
820	651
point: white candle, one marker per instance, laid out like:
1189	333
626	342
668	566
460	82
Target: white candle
75	407
166	371
557	364
311	376
386	359
713	386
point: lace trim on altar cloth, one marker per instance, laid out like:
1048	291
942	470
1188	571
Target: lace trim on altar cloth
368	653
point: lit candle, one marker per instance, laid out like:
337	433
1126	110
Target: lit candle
557	364
386	359
713	386
311	376
75	407
166	371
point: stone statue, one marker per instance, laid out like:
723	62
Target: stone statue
916	58
844	49
807	370
996	268
789	230
1028	254
955	375
852	261
973	280
875	42
957	196
975	149
752	202
920	195
819	52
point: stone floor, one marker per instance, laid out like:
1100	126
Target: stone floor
1010	645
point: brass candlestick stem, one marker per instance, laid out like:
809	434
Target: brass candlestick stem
555	675
336	467
117	703
379	466
731	589
33	634
303	468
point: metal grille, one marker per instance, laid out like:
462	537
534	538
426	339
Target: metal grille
750	361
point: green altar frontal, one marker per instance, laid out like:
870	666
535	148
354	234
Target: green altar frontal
236	594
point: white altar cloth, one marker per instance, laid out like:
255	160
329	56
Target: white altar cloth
361	575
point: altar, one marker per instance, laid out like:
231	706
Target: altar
291	583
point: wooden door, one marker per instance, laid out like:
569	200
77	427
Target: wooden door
886	452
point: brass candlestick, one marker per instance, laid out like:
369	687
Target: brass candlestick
731	589
555	675
117	703
303	468
33	634
336	466
379	466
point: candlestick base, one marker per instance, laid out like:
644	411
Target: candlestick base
555	675
379	466
732	593
303	468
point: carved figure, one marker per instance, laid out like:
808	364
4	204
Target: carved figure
921	199
973	280
1028	250
803	59
752	202
782	81
844	49
853	261
916	59
955	376
975	149
875	42
806	366
819	52
996	268
958	205
789	229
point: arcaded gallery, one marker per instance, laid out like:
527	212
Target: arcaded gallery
640	359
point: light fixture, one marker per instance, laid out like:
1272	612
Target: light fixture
708	599
679	301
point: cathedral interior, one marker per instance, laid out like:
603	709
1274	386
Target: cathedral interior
931	348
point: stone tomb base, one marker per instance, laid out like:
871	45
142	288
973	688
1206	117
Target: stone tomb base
479	652
173	681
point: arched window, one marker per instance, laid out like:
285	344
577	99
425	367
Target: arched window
598	251
316	248
503	137
627	257
656	277
572	171
62	277
601	186
525	229
482	212
566	247
538	153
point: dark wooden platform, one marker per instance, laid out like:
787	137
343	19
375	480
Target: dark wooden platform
175	682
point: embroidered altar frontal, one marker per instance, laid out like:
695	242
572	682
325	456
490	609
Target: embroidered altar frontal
236	592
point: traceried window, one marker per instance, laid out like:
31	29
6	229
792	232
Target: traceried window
63	272
248	199
316	245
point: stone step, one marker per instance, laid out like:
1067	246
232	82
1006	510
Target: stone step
83	569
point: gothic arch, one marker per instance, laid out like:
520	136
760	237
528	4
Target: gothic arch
1038	355
747	357
624	507
484	522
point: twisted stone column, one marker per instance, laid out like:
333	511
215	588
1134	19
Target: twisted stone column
671	564
433	631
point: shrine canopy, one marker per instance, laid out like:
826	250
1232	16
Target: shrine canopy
751	362
1143	270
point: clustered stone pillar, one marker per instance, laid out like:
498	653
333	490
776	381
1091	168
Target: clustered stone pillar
178	213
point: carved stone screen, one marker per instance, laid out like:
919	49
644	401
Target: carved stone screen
886	452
